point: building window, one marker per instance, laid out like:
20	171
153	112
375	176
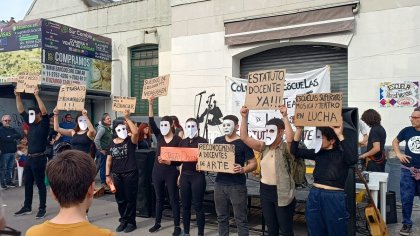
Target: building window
144	65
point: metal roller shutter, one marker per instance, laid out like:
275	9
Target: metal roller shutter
301	58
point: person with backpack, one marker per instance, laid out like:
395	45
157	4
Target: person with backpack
326	207
277	186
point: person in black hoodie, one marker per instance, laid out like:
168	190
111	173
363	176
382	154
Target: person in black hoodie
165	172
192	182
8	137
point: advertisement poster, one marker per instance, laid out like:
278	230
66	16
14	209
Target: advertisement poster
20	36
18	62
398	94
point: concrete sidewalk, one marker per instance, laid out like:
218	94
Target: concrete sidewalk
104	214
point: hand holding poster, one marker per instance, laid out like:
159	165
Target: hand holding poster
179	154
319	109
124	103
72	97
265	89
216	157
27	83
155	87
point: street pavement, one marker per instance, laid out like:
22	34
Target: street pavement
103	213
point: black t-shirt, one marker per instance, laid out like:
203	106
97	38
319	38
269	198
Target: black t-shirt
123	156
189	168
81	142
38	133
377	134
242	153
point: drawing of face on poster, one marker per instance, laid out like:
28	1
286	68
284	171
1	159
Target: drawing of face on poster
318	140
81	121
121	131
165	127
191	128
271	134
32	115
228	127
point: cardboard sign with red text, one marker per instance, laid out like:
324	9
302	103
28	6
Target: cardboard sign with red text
179	154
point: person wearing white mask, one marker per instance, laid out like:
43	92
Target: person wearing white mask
121	170
165	172
232	187
192	183
34	171
277	185
82	134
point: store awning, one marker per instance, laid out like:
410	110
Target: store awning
300	24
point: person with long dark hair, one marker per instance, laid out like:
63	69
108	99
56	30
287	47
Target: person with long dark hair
277	188
326	207
192	182
121	170
375	156
145	138
165	172
177	128
82	134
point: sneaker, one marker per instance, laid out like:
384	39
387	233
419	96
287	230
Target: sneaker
155	228
177	231
121	227
3	186
10	185
23	211
184	234
130	228
405	230
41	214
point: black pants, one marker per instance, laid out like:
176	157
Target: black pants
192	191
168	176
34	170
277	218
373	166
126	195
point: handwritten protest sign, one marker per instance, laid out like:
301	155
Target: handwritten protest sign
265	89
155	87
179	154
124	103
319	109
27	82
216	157
71	97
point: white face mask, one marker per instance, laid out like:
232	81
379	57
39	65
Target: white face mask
228	127
318	141
165	127
191	128
121	131
32	115
271	134
82	123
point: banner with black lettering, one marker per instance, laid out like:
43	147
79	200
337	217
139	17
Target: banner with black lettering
314	81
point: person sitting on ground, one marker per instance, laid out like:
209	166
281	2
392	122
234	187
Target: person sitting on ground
71	176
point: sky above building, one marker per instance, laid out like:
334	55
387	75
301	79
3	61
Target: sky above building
14	8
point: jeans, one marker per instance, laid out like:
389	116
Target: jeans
102	165
192	191
7	161
409	187
126	195
326	212
276	217
34	170
237	196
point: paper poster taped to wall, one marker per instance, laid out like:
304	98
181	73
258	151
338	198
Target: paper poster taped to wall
399	94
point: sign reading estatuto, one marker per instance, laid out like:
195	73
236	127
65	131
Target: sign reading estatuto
265	89
319	109
216	157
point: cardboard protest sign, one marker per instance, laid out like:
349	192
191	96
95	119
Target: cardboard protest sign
216	157
27	82
319	109
265	89
71	97
124	103
156	87
179	154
